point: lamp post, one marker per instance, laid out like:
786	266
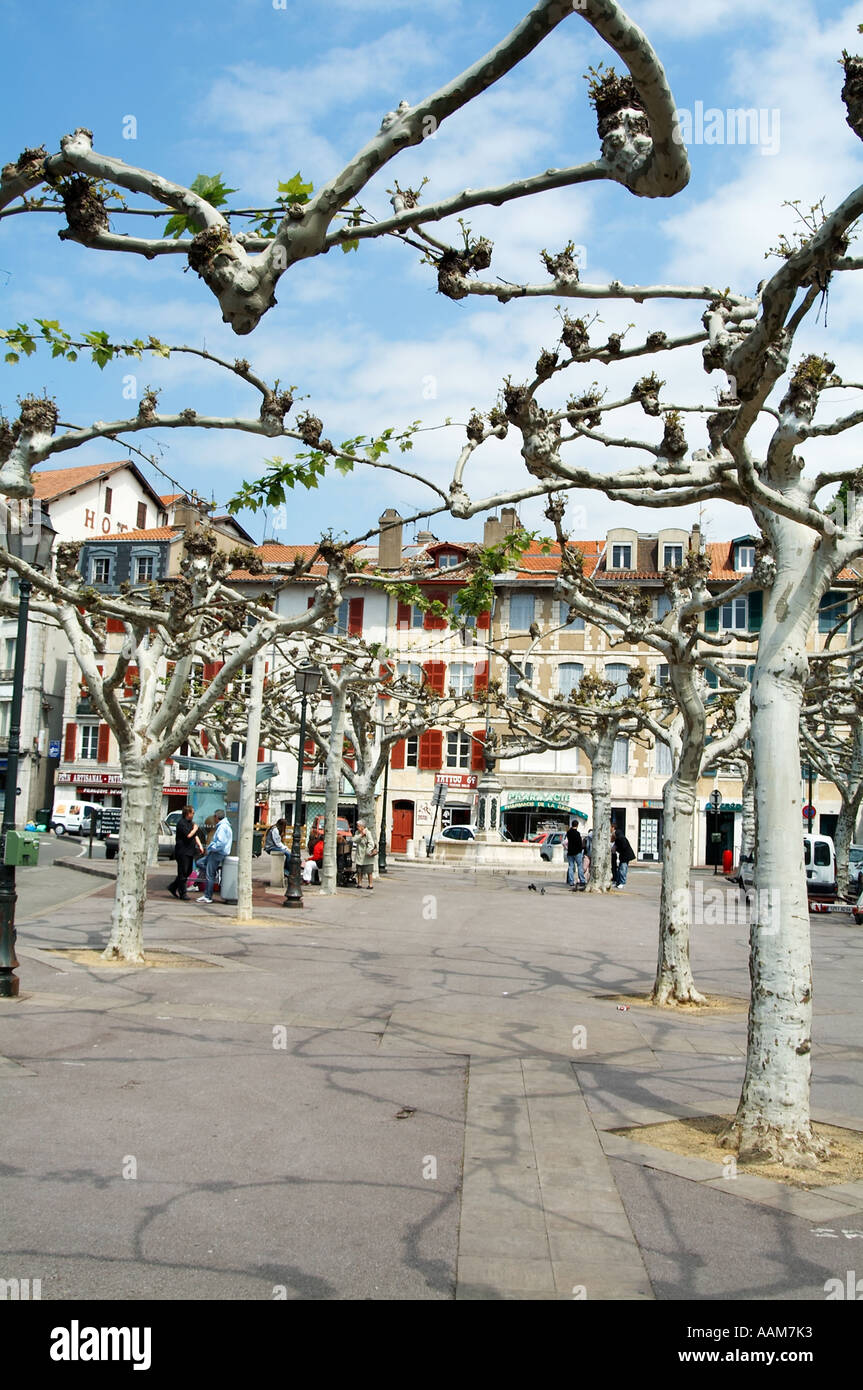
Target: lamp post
307	680
716	802
29	536
382	839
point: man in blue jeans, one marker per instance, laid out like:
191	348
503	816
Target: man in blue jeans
217	850
623	853
574	857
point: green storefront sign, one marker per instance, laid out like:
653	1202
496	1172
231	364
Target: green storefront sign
542	801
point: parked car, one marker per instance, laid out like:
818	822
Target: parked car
111	837
855	869
819	859
550	842
467	832
343	829
72	817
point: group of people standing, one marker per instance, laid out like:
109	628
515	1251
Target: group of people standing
579	852
364	850
190	852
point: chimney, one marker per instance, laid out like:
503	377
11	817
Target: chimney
390	549
509	520
189	511
493	531
695	539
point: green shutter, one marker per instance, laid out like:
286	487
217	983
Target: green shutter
711	620
756	610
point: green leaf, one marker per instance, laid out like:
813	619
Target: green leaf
352	245
210	187
295	191
11	357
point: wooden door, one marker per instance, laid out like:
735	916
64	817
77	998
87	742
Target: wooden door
403	826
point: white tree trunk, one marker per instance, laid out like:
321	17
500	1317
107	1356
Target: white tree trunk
331	803
773	1117
674	983
140	783
600	796
248	785
748	828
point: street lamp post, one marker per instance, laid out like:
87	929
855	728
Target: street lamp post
716	802
306	680
28	536
382	839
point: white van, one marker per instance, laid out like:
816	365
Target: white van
819	861
72	817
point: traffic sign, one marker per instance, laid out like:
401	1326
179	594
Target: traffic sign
54	748
808	812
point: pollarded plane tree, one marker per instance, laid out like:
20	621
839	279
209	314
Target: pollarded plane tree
241	254
151	698
773	404
831	736
625	612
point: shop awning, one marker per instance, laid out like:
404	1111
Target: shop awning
541	801
225	771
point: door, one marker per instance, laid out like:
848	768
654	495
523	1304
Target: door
648	835
403	826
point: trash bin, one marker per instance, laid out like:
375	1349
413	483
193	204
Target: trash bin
229	886
727	861
257	843
43	818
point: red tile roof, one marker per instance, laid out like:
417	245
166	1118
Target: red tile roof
54	482
153	533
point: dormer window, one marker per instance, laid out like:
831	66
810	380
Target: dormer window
144	569
672	556
621	557
447	559
100	569
745	557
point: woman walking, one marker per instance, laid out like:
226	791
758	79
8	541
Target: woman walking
364	848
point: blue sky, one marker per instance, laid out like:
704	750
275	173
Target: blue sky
258	92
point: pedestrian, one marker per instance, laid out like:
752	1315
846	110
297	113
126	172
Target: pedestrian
186	848
312	866
365	848
217	851
574	858
622	855
588	851
274	844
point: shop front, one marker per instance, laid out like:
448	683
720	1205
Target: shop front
527	812
460	805
650	831
100	788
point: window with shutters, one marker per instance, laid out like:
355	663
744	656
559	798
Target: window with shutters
435	621
661	606
620	757
355	616
89	742
672	556
5	708
521	610
574	624
238	751
461	678
662	760
745	558
142	516
832	612
410	671
662	674
458	750
412	746
477	749
340	627
143	566
435	675
617	673
569	676
431	751
734	616
108	500
467	620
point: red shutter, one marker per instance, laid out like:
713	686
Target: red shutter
484	619
349	754
261	754
397	756
102	749
309	751
211	670
435	674
355	617
431	751
311	601
403	617
476	751
205	742
480	677
69	746
114	625
130	676
431	620
386	674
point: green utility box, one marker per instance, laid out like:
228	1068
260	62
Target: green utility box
22	848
